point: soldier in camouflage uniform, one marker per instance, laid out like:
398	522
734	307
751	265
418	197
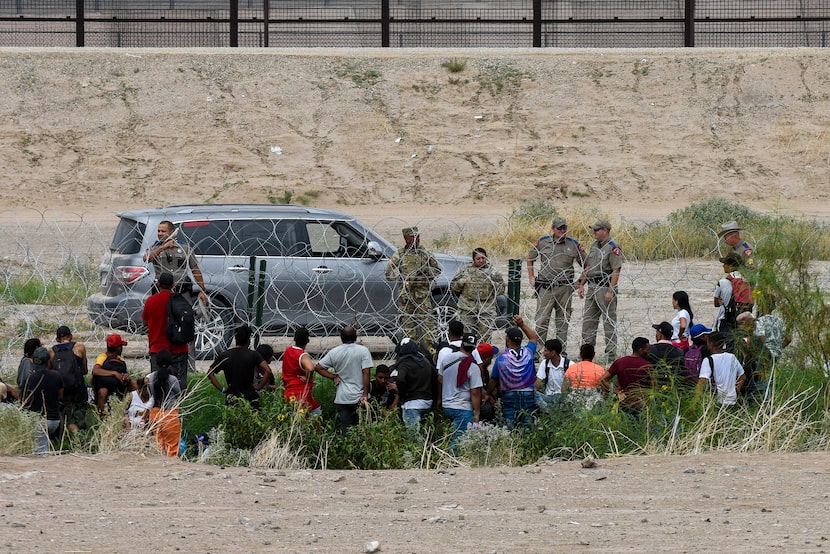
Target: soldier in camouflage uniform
414	269
477	284
601	272
554	283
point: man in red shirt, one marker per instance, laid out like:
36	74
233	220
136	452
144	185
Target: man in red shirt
155	317
635	376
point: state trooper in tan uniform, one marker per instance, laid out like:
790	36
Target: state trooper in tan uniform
601	273
554	283
414	268
730	233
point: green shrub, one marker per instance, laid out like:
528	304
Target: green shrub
455	65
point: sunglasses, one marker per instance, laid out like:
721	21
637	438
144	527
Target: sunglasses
597	229
562	228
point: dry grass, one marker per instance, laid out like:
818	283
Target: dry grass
18	428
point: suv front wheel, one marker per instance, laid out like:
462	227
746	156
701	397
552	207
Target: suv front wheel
214	333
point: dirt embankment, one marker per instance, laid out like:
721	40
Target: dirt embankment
637	133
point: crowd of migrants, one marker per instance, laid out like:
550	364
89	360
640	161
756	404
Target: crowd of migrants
466	377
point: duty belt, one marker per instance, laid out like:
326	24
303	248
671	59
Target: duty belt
547	284
602	280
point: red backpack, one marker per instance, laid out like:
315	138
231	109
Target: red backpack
741	300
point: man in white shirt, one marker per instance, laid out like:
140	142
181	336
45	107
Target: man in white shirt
350	366
727	373
550	375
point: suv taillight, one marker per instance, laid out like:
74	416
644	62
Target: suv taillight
129	274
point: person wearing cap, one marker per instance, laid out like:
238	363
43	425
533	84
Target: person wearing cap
694	355
514	373
42	395
154	317
477	285
455	330
461	388
733	294
170	255
109	374
414	269
415	383
598	286
722	371
554	281
634	377
483	356
666	358
550	375
730	233
75	398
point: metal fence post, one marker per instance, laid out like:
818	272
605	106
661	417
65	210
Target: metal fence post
514	286
537	23
234	27
384	23
266	9
251	285
689	24
79	23
260	302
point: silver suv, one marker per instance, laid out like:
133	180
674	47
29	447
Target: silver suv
322	269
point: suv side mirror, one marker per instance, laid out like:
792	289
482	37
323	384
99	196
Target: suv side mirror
373	250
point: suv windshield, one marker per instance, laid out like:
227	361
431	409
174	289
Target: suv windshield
128	237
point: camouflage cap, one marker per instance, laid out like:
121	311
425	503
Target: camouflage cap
602	224
410	231
559	222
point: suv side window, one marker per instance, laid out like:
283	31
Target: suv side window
335	239
293	238
257	237
208	238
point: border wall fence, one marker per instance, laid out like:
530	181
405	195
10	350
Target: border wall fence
414	23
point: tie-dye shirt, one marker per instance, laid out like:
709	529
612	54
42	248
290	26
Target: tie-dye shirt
515	369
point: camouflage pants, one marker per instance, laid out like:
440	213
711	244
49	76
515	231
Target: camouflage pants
596	307
417	318
480	323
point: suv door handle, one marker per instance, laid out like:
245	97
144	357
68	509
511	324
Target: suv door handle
321	269
237	268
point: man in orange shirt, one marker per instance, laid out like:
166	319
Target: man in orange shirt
582	379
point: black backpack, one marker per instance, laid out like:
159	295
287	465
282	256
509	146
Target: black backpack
565	367
66	364
181	321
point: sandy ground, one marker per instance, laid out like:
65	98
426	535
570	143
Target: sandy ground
395	139
706	503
